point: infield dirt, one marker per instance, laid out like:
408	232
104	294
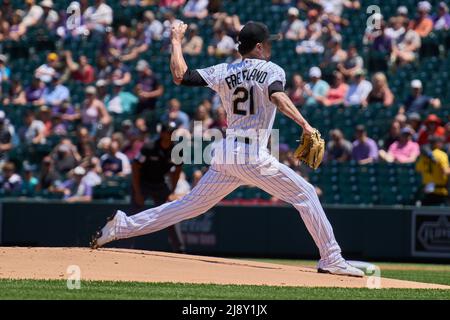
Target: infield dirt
148	266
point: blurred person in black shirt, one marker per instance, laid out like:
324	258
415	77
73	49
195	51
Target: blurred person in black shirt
149	171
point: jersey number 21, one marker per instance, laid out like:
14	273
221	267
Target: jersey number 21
240	96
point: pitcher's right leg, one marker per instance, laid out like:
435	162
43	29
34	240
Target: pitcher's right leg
211	188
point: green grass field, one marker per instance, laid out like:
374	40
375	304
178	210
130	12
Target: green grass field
35	289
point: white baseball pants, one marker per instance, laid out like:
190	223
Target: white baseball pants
222	179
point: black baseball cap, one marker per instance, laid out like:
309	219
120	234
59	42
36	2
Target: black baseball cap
253	33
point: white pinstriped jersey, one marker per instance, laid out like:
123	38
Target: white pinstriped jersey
244	90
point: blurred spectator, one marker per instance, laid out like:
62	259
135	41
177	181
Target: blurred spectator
423	24
94	115
192	43
46	71
85	142
203	116
33	131
138	43
4	24
65	156
316	87
76	189
102	90
33	14
54	94
196	176
311	43
15	95
49	18
196	9
358	90
5	71
286	156
148	89
402	119
230	24
81	71
170	20
175	114
92	177
393	134
116	43
404	150
119	138
74	29
6	136
171	4
337	92
441	20
221	45
334	54
447	138
338	149
414	121
103	145
7	9
433	165
296	92
353	64
336	7
220	120
153	27
405	49
380	91
433	128
402	12
183	187
119	72
114	162
45	115
121	101
99	16
137	135
15	30
416	101
373	28
365	149
10	181
29	182
66	112
103	69
396	29
293	28
49	178
383	42
59	127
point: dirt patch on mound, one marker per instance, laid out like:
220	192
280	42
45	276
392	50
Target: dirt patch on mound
147	266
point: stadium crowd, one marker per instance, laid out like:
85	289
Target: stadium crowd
89	146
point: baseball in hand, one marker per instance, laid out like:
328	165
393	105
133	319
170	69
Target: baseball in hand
178	31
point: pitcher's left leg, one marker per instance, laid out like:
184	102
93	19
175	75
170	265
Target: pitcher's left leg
283	183
287	185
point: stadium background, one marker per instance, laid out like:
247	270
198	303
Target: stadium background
343	183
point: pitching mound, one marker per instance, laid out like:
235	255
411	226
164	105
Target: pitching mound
146	266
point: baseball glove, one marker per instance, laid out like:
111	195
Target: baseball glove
311	149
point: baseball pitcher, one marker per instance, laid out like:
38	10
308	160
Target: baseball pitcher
251	92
